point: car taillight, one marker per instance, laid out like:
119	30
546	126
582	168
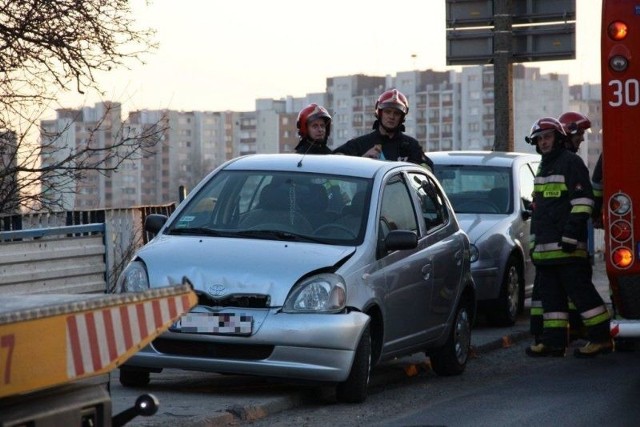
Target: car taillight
622	257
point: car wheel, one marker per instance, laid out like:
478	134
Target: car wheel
451	358
131	377
505	310
354	389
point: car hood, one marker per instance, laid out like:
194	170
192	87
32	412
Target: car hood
226	266
476	225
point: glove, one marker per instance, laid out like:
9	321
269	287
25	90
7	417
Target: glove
568	247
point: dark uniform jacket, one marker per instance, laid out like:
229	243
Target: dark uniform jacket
563	201
400	147
307	147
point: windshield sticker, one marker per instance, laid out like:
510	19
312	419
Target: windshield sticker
185	220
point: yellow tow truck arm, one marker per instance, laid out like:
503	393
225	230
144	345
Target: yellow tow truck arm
52	339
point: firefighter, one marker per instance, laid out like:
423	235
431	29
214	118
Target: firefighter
388	140
314	127
563	201
575	125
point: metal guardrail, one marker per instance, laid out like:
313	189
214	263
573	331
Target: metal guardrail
123	232
69	259
37	233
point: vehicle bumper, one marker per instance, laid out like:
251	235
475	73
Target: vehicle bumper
625	328
317	347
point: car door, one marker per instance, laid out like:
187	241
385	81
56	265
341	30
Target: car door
443	245
406	273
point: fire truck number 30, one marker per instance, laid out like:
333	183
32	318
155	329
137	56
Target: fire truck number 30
625	93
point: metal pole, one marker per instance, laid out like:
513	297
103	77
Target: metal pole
502	76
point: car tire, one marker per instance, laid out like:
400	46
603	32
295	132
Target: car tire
354	389
131	377
451	358
504	311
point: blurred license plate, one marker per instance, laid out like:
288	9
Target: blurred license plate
216	323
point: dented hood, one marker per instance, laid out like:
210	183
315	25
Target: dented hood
226	266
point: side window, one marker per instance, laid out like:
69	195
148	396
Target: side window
434	211
397	212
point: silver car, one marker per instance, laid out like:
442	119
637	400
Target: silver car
309	268
491	193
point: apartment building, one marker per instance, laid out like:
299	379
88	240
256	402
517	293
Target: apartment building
193	144
71	130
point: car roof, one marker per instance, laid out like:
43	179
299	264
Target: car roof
333	164
488	158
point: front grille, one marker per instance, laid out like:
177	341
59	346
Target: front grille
240	300
211	350
629	287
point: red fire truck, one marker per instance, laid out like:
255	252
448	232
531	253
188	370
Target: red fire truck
620	54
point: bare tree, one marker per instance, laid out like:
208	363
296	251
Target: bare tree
51	46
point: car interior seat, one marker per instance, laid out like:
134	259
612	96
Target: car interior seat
314	203
276	207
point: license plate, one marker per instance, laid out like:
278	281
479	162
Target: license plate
215	323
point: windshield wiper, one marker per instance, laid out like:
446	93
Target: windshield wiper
278	235
260	234
195	231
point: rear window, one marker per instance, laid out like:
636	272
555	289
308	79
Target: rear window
477	189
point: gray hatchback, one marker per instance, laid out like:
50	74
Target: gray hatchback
309	268
491	193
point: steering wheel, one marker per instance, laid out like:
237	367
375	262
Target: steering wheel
478	206
342	228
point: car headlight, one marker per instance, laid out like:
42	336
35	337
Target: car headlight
324	293
134	278
473	253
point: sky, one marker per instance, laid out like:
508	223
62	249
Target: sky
217	55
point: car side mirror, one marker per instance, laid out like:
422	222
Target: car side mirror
154	222
398	240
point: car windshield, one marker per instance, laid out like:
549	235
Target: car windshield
274	205
477	189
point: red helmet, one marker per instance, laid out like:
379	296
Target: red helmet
572	122
392	98
542	125
309	113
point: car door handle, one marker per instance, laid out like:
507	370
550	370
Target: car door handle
426	271
458	257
